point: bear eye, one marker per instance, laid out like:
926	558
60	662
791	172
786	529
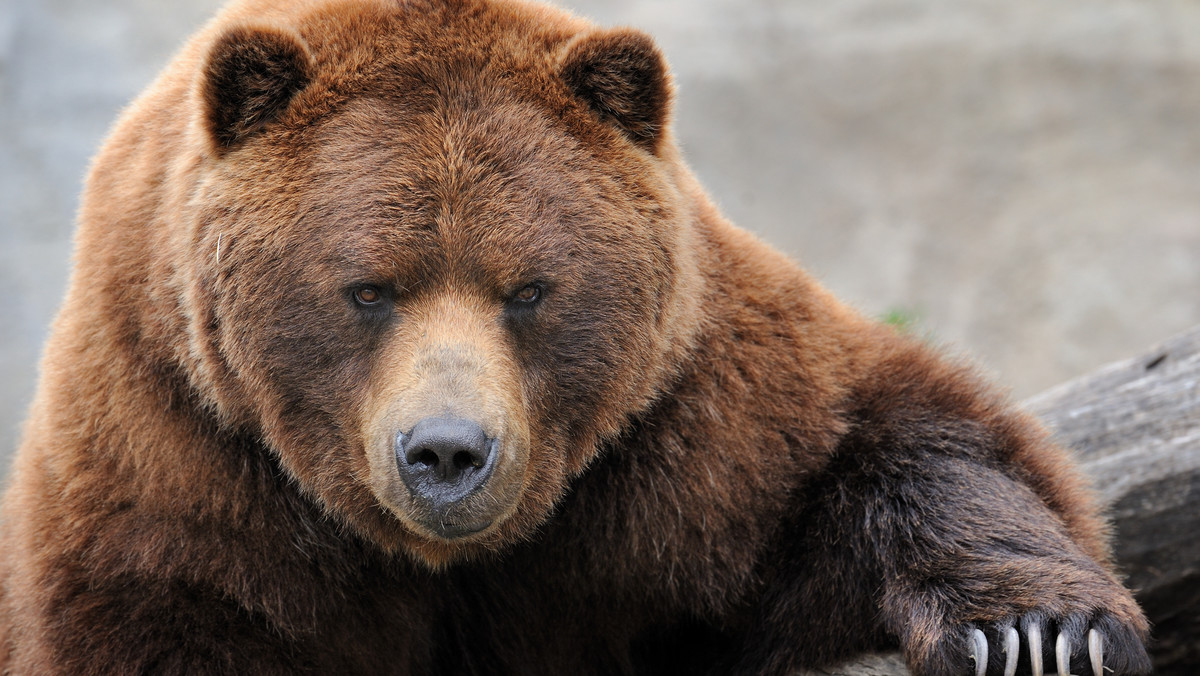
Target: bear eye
528	294
368	296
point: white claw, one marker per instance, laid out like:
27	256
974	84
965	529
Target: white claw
1062	655
1012	649
979	652
1034	635
1096	651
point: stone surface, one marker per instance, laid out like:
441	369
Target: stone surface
1020	176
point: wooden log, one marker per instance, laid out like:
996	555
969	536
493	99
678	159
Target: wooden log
1135	425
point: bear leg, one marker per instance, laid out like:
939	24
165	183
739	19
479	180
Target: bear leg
949	556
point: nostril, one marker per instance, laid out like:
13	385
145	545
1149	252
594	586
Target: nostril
427	458
464	460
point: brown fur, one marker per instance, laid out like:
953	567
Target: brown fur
706	462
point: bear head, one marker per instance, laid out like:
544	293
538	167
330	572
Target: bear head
435	255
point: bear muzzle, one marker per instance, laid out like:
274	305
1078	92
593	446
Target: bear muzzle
447	428
443	461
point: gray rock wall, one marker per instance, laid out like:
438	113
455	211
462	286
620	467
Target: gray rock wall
1023	177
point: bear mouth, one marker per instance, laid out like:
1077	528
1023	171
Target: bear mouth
449	530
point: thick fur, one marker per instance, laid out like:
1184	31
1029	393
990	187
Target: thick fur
707	463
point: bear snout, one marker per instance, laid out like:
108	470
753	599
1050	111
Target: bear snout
447	428
443	461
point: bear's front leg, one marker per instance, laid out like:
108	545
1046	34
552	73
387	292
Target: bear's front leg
946	550
980	576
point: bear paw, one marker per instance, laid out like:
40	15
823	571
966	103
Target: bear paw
1075	645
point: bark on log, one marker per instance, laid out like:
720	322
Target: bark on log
1136	428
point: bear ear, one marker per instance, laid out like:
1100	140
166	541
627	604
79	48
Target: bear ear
622	76
249	78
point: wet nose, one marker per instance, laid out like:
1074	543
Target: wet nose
443	460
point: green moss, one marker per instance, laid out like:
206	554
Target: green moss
905	320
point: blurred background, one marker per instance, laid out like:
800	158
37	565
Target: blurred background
1018	179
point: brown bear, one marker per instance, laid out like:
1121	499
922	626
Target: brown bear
402	340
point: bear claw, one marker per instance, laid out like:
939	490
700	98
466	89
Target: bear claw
1033	636
1012	650
1096	651
979	652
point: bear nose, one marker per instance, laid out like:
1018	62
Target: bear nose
443	460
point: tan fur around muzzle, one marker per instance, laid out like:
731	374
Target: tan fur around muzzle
448	357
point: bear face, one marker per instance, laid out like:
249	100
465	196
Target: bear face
448	322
